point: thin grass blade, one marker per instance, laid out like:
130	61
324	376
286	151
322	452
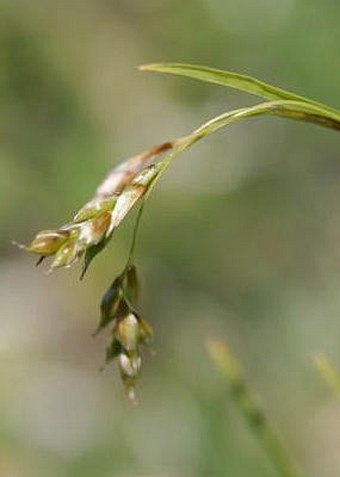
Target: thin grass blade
230	79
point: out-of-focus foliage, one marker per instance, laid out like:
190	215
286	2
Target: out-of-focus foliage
241	239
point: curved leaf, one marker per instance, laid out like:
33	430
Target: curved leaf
289	109
244	83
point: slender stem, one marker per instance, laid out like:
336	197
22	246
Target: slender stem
249	407
289	109
135	234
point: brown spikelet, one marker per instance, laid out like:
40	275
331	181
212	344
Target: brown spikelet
93	224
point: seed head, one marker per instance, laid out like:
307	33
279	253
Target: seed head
48	242
93	230
94	207
87	234
129	367
127	332
69	253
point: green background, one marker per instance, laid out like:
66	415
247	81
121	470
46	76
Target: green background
240	239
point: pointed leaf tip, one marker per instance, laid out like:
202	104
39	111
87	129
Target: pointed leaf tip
241	82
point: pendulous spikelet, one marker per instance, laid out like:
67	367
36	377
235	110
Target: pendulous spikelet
87	234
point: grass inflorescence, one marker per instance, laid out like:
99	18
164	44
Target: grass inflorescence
129	184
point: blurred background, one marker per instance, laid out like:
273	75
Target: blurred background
241	239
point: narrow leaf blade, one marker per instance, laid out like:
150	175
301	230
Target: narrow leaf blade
230	79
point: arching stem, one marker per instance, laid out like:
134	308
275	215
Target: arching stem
132	250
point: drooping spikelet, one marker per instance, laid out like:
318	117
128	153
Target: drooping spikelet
92	226
87	234
128	330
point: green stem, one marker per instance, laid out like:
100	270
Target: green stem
131	255
285	108
247	404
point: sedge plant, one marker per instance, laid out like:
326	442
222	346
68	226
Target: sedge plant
129	185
